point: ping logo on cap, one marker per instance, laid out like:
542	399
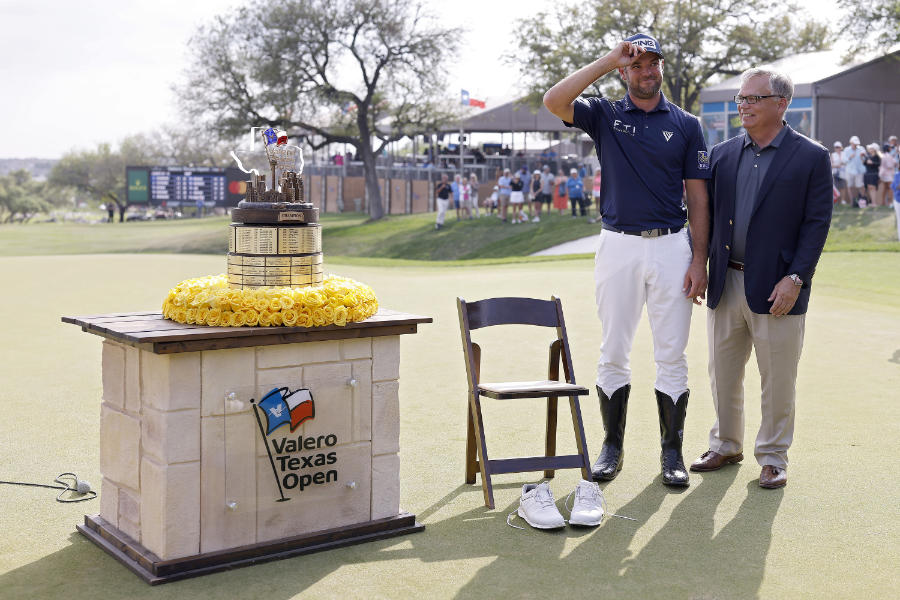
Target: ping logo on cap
645	42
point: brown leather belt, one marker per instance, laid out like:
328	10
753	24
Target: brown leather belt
735	265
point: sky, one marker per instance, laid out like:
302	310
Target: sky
76	74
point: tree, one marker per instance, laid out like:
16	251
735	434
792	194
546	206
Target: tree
358	72
871	25
21	197
700	40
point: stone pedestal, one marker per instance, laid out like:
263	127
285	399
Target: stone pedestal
194	477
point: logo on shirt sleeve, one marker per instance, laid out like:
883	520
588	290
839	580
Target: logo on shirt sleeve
702	159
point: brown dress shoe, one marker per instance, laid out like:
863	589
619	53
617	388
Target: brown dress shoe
772	477
712	461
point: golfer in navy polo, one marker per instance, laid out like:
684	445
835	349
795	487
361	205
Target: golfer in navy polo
652	154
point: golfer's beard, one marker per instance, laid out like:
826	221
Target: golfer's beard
647	90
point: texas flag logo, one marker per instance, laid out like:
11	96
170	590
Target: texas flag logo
284	407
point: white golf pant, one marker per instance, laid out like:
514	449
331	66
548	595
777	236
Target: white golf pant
630	271
442	206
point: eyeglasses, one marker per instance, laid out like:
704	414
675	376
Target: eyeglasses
754	99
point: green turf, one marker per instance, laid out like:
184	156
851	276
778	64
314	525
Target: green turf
349	238
832	533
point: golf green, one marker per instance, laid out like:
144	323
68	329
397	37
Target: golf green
831	533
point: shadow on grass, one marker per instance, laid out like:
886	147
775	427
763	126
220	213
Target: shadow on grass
688	556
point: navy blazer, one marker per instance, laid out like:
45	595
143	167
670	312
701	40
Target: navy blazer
788	225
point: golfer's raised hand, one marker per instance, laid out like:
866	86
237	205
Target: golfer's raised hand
624	54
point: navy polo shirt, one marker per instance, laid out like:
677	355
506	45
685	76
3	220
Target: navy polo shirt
644	158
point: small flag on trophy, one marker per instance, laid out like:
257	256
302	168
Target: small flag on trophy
271	136
282	137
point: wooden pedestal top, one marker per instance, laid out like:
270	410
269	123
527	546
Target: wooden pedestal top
150	331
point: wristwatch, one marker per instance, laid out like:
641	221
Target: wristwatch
796	279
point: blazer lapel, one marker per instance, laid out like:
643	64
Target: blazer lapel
783	156
728	167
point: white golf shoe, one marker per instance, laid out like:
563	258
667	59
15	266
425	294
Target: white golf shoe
589	507
538	508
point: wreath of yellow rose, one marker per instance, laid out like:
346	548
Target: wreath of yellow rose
209	301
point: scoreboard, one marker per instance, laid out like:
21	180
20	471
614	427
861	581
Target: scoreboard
185	186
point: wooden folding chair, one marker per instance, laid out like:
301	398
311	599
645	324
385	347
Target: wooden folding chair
520	311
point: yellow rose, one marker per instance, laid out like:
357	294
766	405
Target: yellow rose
340	316
318	317
201	315
213	316
238	319
248	299
304	319
289	317
191	315
251	317
276	319
261	303
265	319
227	318
287	302
315	299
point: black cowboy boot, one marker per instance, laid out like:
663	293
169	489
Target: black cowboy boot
671	430
612	455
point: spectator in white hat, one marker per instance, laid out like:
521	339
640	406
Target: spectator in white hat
854	155
837	171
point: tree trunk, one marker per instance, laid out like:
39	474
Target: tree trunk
376	209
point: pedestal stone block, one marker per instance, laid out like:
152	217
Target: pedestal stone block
386	358
120	455
354	349
362	400
297	354
170	381
113	374
333	397
170	524
227	483
385	485
385	417
132	380
224	371
109	502
171	437
130	514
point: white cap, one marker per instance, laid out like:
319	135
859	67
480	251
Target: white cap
536	173
838	145
854	140
573	171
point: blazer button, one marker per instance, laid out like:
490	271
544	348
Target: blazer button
727	247
730	222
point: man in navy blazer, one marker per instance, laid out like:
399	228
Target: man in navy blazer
770	198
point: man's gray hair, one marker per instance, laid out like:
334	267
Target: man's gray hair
780	83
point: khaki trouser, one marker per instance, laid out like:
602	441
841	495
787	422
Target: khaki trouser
733	329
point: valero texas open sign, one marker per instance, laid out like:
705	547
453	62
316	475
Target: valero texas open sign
300	462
